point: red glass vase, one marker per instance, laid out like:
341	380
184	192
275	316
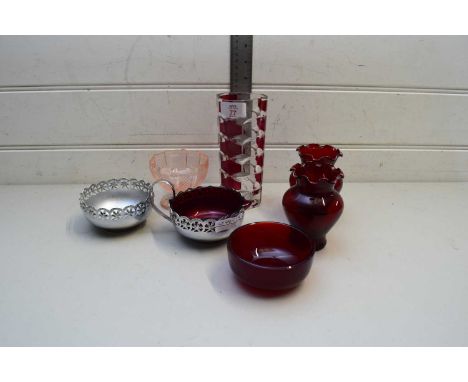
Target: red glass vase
313	152
313	204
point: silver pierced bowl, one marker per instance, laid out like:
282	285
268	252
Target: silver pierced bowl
204	213
117	203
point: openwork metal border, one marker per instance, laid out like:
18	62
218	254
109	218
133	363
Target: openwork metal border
116	184
207	225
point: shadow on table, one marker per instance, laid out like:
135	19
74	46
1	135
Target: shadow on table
78	225
169	241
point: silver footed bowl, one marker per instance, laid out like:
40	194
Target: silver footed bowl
204	213
117	203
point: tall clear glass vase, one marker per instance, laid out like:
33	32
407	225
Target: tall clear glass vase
242	125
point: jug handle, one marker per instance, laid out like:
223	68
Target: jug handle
153	204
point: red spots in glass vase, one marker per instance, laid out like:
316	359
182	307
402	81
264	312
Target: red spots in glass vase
231	167
259	160
230	128
262	104
261	142
261	123
229	182
259	177
230	148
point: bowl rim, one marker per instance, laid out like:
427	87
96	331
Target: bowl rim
198	189
286	267
117	212
203	156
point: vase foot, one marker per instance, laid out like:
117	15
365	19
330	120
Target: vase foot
320	243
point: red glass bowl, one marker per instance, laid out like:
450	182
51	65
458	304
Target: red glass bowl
208	203
270	255
204	213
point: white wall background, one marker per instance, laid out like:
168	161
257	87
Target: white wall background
84	108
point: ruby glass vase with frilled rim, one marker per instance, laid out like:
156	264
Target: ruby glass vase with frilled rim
312	204
314	152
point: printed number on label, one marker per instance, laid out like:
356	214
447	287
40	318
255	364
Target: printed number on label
233	109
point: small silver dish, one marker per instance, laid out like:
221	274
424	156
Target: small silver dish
204	213
117	203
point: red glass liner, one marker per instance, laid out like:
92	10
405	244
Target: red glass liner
207	202
270	255
313	204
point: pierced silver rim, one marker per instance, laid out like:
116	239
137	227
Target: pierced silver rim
132	210
206	225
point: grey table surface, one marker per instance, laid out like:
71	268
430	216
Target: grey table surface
394	272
